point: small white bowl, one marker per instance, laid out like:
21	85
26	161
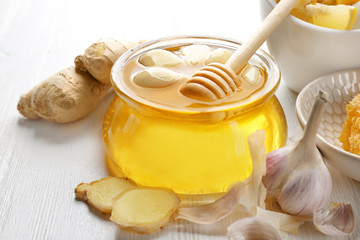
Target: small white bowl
305	51
342	87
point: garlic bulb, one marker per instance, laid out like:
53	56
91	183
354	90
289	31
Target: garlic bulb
296	175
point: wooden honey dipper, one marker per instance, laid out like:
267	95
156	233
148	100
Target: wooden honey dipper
216	80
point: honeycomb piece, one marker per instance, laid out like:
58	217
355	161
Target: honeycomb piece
350	135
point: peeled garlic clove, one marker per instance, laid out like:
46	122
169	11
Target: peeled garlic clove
337	220
252	75
297	175
249	193
160	58
157	78
220	55
195	54
252	228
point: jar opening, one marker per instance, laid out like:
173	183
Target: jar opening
260	59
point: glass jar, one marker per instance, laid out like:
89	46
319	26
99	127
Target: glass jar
192	151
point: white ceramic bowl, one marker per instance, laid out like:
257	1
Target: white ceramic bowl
341	87
305	51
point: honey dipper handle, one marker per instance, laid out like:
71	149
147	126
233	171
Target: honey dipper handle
240	58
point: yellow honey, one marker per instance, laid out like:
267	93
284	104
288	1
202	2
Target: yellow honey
192	150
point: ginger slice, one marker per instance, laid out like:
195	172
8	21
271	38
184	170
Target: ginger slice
144	209
99	194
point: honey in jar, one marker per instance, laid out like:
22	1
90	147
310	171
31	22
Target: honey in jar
158	137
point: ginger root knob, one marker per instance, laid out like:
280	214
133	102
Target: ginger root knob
63	97
75	91
100	57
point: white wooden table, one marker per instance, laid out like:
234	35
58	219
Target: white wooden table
41	163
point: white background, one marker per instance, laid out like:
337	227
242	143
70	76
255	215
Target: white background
41	163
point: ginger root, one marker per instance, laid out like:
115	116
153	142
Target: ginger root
74	92
63	97
99	194
144	209
100	57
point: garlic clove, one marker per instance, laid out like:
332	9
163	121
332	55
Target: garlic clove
252	228
160	58
155	77
249	193
282	221
296	175
195	54
220	55
252	75
337	220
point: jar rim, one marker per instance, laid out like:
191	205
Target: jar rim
249	103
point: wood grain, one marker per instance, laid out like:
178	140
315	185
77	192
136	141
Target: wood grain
41	163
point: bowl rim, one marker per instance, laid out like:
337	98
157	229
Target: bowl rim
301	117
313	26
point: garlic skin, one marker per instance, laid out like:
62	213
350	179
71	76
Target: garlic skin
282	221
296	175
338	220
249	194
213	212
